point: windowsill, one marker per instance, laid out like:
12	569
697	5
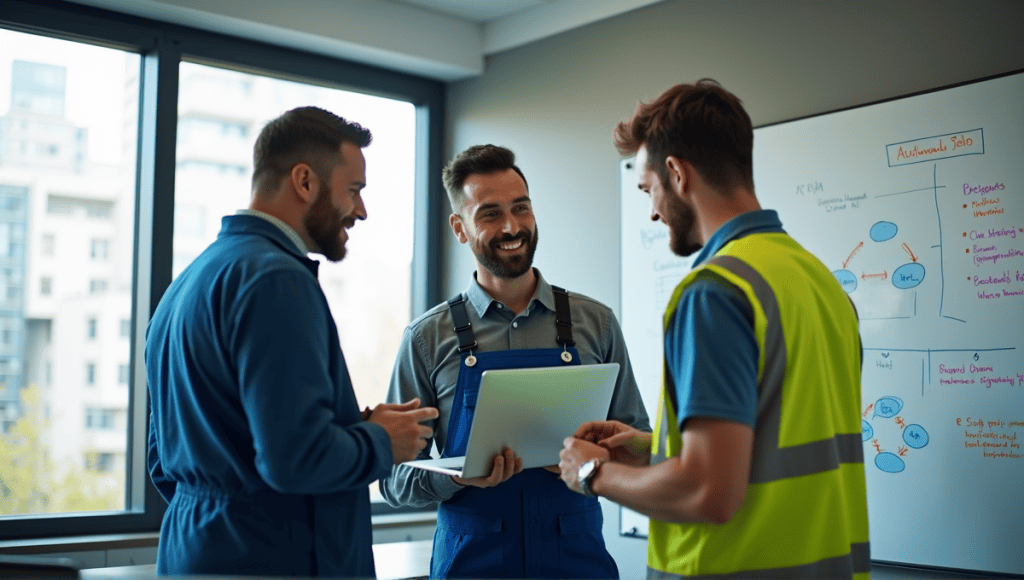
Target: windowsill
50	545
405	519
79	543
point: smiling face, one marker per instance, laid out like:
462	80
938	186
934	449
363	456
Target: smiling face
497	222
668	206
338	204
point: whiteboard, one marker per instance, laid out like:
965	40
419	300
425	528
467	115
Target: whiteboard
917	206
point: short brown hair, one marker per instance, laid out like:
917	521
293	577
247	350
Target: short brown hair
702	124
302	135
477	160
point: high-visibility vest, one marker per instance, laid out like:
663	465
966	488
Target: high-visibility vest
805	511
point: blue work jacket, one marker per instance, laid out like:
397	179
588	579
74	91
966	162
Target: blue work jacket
256	440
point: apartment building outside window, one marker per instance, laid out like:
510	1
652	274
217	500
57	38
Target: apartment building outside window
85	123
99	249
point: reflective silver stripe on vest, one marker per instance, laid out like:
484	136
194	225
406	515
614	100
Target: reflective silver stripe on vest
771	463
858	561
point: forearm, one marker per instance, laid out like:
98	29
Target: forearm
656	491
707	482
408	486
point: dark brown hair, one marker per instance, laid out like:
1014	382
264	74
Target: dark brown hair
302	135
702	124
477	160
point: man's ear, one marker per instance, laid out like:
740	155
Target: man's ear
305	182
458	228
678	175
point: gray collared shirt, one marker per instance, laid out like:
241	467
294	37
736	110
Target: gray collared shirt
427	366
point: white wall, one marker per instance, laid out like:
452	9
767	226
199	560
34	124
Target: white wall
554	102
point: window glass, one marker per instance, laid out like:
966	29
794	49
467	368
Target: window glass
220	115
68	118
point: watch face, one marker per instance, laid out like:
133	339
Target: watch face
586	469
583	476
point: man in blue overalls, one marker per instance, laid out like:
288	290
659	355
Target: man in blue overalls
512	523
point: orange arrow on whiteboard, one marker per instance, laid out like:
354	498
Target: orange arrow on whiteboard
907	248
883	275
868	410
855	250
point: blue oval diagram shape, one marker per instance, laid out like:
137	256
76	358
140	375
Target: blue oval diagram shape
888	407
915	436
908	275
866	432
847	279
889	463
883	231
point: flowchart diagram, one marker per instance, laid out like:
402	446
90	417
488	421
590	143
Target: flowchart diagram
904	277
914	436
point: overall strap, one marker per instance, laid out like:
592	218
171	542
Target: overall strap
460	320
563	318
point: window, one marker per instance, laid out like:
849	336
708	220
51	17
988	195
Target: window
378	289
90	328
93	176
100	419
375	274
189	221
47	244
99	249
100	462
122	374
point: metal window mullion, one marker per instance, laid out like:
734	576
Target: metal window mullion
154	228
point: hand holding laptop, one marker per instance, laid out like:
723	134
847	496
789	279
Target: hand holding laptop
506	464
403	421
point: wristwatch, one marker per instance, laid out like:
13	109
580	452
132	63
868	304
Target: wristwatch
585	474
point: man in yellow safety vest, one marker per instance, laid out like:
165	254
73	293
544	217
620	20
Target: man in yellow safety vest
755	467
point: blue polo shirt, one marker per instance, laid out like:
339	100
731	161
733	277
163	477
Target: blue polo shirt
710	349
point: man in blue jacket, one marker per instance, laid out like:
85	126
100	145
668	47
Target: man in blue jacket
256	439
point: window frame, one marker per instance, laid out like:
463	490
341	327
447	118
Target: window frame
162	46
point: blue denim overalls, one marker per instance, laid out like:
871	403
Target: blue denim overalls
531	526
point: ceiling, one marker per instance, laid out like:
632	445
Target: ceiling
442	39
479	11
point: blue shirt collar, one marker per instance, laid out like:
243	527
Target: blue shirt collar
751	222
481	300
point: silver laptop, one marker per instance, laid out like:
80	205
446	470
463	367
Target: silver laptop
530	411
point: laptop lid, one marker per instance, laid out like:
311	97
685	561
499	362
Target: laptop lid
530	411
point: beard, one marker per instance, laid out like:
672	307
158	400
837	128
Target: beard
683	239
512	266
324	225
